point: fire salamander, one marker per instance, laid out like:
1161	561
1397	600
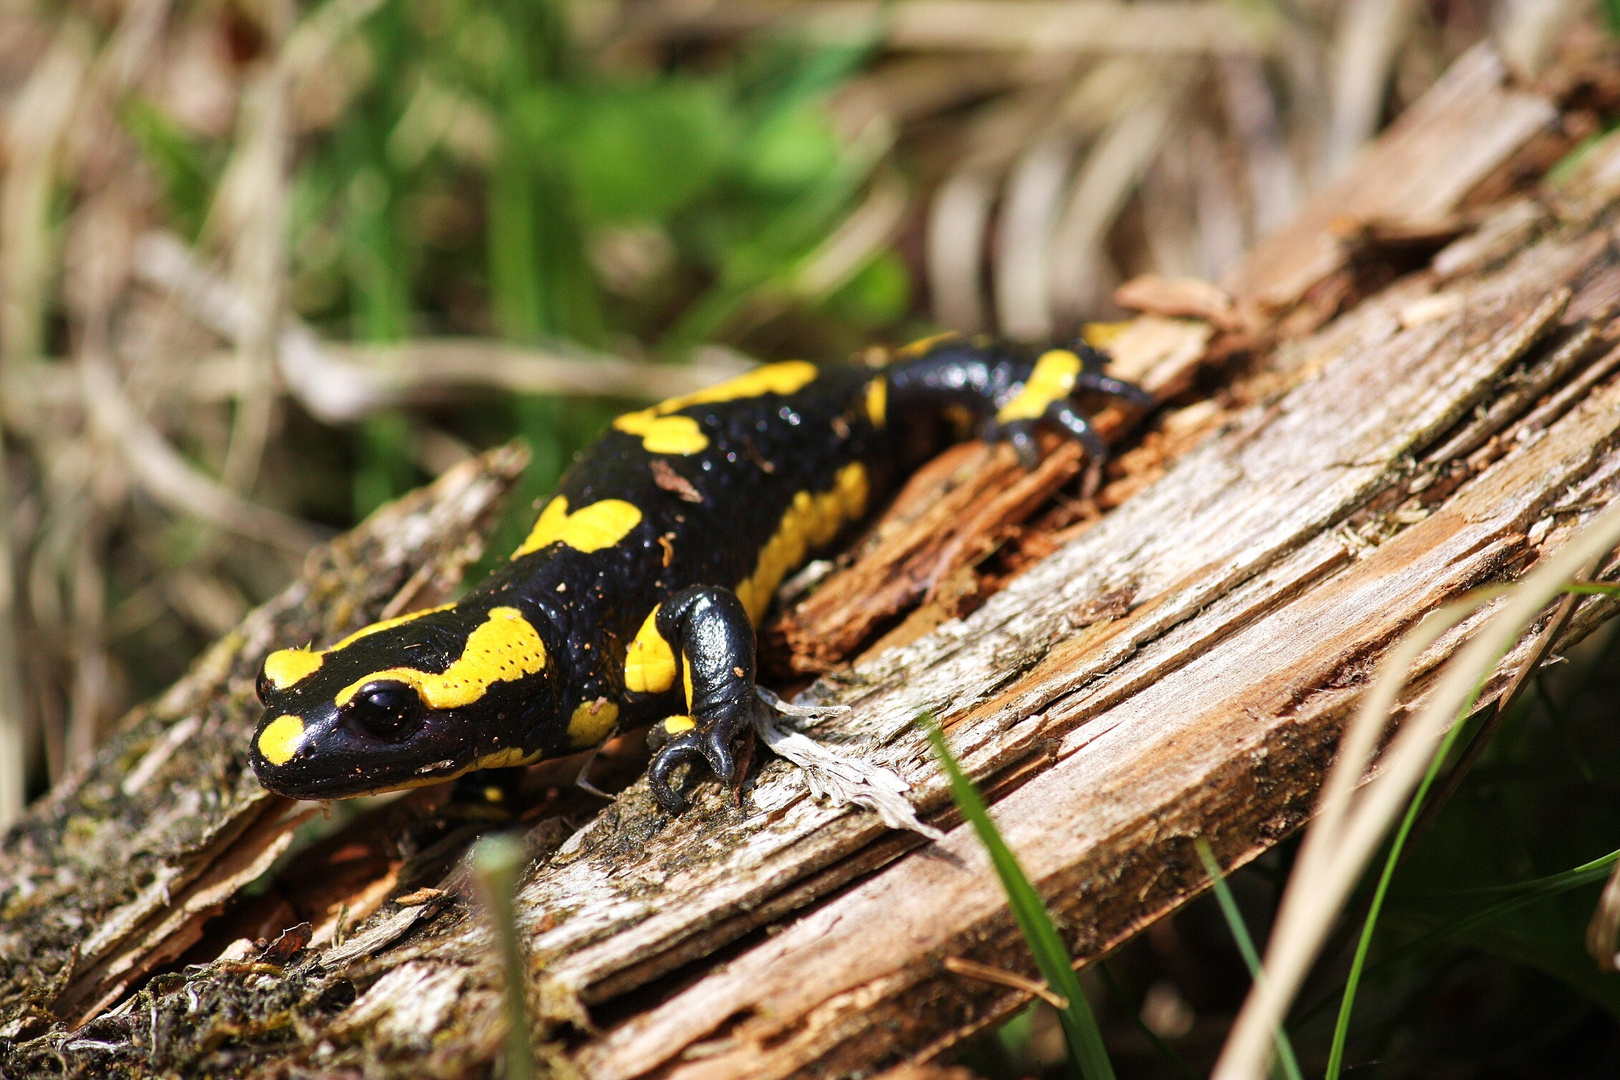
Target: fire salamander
635	596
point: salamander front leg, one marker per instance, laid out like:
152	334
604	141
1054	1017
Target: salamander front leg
1048	397
714	645
1020	435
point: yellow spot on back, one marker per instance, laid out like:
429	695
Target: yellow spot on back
649	663
662	433
921	346
1100	335
592	721
590	528
286	667
386	624
877	400
280	739
811	522
1051	381
504	648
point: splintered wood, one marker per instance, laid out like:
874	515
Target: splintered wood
1171	659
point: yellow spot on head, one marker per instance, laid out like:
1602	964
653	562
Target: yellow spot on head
590	528
811	522
662	433
386	624
592	721
678	725
505	648
877	400
287	667
1051	381
280	739
649	663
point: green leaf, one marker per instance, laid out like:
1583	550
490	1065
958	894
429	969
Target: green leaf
641	153
878	295
792	150
1086	1050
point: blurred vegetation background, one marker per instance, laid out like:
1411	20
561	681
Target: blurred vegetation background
265	265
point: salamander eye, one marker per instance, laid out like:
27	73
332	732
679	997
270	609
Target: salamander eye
263	688
388	710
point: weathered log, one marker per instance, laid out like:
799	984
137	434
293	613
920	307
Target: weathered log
1177	667
114	873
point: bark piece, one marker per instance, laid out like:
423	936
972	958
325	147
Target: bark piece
1187	297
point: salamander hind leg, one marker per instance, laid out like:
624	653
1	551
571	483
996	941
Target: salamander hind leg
714	641
1010	391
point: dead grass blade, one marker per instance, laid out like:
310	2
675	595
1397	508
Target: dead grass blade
36	128
1098	26
168	477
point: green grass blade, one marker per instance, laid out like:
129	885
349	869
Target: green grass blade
497	864
1085	1041
1515	896
1341	1026
1535	888
1245	944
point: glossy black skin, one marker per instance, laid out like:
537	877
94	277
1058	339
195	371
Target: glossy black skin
683	554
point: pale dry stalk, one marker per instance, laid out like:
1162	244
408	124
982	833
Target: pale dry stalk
36	126
1365	42
13	707
1349	824
258	180
36	130
1081	273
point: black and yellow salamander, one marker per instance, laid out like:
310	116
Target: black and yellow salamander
635	596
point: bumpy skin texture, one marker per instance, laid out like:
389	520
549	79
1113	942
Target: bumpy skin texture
635	597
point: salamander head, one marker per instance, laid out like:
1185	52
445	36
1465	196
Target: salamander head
404	702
